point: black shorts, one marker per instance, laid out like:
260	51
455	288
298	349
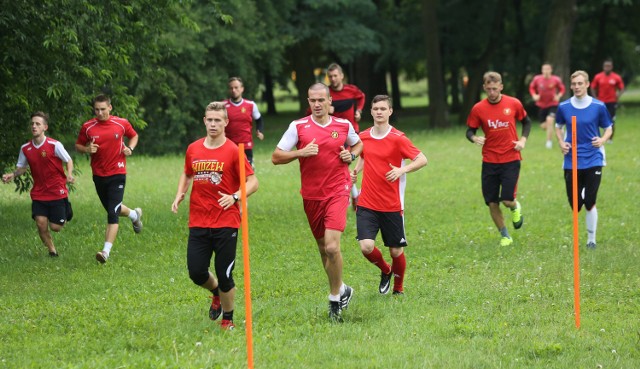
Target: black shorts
111	192
500	181
611	108
588	185
543	113
57	211
249	154
390	225
203	242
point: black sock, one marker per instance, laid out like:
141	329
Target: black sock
227	315
215	291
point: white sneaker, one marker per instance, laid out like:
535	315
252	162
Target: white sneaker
549	144
137	224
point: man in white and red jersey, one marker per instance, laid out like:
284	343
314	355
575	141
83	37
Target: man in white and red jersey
546	89
381	202
497	116
242	113
318	143
103	138
347	102
212	164
50	206
607	87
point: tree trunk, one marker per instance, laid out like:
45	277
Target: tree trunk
268	93
479	66
302	64
599	53
558	37
438	113
395	86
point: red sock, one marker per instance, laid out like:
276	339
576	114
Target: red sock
376	258
398	266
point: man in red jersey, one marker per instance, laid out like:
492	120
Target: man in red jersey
318	142
546	89
607	87
381	202
242	113
103	138
212	164
347	101
497	116
50	206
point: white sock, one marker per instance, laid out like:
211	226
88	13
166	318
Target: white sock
133	215
354	191
334	297
592	224
107	247
342	289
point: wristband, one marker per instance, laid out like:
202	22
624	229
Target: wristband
353	157
235	197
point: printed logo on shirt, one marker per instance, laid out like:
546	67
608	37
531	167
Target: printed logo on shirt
117	136
307	126
496	124
507	111
334	134
208	170
120	164
243	110
43	154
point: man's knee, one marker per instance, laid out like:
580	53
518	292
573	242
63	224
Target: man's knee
225	285
199	277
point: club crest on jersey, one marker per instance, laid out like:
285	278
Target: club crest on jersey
215	178
334	134
507	111
243	110
43	154
117	136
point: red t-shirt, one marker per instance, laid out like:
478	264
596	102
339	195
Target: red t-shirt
607	86
547	88
213	170
378	152
498	122
324	175
241	118
45	162
109	135
346	101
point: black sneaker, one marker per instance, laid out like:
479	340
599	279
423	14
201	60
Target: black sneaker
385	283
335	311
345	298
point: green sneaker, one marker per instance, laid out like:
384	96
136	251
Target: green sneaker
506	241
516	216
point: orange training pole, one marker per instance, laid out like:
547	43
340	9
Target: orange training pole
245	254
576	240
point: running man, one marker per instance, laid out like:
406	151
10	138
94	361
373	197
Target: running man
547	89
381	205
242	113
318	143
501	147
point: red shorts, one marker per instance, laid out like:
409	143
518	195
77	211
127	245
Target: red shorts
326	214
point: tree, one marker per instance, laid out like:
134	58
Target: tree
438	111
559	35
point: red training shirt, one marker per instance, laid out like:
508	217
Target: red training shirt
607	86
109	135
324	175
241	118
45	161
498	122
213	170
345	103
547	88
377	192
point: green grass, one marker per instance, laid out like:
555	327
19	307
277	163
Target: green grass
469	303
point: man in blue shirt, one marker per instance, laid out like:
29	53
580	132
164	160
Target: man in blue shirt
591	115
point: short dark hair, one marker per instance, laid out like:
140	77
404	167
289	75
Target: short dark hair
42	115
379	98
334	66
231	79
102	98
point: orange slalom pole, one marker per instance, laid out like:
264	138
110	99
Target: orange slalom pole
576	239
245	254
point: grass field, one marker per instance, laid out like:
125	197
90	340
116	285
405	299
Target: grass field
468	304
